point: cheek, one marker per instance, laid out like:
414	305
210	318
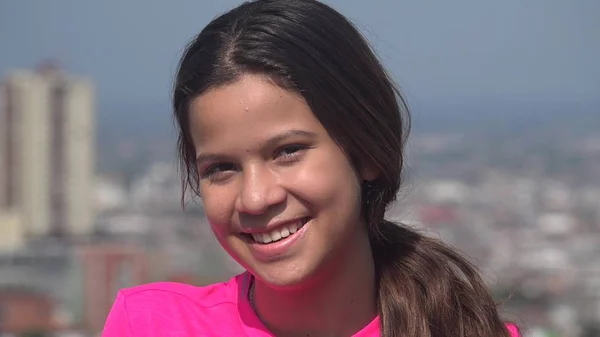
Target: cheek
329	181
218	207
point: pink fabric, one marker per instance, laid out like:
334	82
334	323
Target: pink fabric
178	310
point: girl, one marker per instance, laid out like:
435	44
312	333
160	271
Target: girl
293	133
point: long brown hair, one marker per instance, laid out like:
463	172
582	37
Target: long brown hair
425	288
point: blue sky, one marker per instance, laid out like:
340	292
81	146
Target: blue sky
438	50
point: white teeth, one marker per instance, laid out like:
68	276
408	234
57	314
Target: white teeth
266	238
278	234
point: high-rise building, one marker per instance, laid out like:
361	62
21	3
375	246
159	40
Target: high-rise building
47	142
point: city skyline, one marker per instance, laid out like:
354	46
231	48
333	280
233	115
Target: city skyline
502	163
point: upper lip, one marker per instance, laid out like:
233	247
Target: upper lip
270	227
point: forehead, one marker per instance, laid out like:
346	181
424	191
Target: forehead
248	108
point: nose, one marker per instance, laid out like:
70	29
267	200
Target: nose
260	190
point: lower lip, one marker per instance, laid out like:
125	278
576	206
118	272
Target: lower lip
276	250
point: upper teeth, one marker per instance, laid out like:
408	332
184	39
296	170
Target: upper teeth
278	234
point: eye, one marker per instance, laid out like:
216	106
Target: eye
218	171
290	152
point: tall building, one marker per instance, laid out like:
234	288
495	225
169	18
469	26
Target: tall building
47	142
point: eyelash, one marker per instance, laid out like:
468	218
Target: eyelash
213	171
297	150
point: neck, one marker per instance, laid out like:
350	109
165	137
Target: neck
340	302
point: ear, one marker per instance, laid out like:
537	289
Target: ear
369	172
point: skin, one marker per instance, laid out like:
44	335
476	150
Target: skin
264	158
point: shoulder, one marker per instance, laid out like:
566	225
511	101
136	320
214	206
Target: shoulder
513	330
158	308
206	296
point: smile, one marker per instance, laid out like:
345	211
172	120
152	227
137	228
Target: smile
279	233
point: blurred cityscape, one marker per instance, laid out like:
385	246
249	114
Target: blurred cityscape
521	199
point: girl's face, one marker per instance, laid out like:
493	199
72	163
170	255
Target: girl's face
280	195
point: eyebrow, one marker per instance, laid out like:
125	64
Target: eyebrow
268	143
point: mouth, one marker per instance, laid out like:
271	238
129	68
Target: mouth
278	233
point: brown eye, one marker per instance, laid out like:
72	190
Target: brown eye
218	171
290	151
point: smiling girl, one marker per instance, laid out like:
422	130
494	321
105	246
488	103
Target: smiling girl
293	134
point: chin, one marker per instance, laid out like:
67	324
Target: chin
285	275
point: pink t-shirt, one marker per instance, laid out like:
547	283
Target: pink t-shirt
180	310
